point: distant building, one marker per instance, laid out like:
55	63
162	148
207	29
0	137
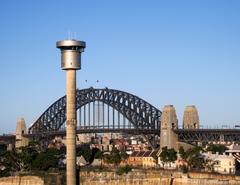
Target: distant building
81	161
191	118
234	150
145	159
223	164
149	159
84	138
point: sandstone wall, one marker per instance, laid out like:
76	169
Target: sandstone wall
18	180
156	178
148	177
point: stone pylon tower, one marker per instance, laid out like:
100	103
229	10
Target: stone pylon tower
168	123
20	131
190	118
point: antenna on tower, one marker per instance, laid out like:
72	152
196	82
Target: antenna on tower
71	35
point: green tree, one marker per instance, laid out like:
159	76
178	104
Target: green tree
114	157
99	155
183	154
125	169
18	160
216	148
196	161
193	157
168	155
3	148
86	152
47	159
209	165
124	155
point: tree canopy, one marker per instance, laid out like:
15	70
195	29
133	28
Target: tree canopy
28	158
168	155
115	157
193	157
216	148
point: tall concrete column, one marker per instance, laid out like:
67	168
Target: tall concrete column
71	127
71	61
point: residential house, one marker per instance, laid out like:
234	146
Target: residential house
224	164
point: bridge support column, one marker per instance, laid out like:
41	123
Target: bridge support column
20	131
169	122
71	61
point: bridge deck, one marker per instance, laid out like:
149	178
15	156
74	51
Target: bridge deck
185	135
7	139
133	131
206	135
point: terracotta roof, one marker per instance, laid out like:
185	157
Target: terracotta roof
140	153
144	154
134	154
154	153
147	154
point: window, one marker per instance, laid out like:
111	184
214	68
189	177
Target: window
195	125
218	162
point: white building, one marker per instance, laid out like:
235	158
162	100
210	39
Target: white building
81	161
223	164
234	150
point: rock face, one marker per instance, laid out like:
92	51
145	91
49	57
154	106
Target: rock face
168	123
190	118
18	180
151	177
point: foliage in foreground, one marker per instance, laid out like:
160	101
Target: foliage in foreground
121	170
168	155
115	157
28	158
194	160
216	148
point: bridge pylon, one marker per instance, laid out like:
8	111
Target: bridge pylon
190	117
169	122
21	129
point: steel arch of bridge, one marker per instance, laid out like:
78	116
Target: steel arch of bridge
140	113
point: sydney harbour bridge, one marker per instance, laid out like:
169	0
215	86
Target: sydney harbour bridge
114	111
109	110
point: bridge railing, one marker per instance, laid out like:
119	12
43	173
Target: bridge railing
212	126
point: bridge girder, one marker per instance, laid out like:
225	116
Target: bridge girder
208	135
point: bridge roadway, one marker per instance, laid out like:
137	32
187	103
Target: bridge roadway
184	135
132	131
207	135
5	139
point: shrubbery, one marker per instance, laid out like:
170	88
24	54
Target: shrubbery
122	170
28	158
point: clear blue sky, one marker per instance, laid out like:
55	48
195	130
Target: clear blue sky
166	52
